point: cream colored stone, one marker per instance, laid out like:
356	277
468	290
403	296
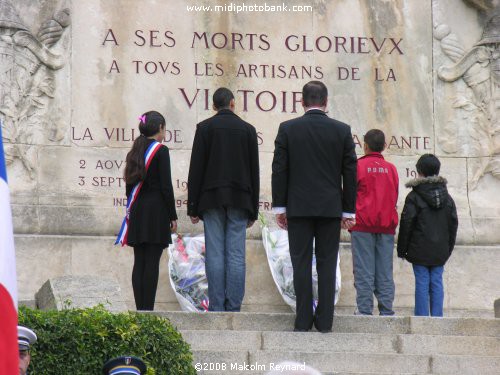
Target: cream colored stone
467	86
80	292
84	127
123	97
484	197
40	258
35	82
94	109
376	100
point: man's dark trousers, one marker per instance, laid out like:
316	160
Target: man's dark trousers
326	233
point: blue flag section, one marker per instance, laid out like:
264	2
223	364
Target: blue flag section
3	169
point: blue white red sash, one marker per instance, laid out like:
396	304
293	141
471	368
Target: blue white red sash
148	156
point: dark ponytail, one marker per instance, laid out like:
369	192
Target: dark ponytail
150	124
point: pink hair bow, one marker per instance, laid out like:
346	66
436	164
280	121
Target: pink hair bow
143	119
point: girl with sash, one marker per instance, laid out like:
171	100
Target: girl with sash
151	215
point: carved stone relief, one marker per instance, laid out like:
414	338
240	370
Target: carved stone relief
479	68
27	65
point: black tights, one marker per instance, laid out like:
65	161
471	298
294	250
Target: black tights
145	275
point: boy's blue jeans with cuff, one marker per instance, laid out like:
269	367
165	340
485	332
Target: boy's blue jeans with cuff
225	235
429	292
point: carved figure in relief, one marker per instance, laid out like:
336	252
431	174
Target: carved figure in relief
479	68
27	66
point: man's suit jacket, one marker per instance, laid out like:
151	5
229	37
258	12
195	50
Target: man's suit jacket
224	169
314	167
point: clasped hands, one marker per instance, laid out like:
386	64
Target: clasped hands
196	220
346	223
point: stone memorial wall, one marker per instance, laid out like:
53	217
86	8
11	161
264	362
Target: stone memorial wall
75	76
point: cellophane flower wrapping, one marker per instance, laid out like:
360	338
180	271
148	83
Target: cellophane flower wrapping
186	266
275	242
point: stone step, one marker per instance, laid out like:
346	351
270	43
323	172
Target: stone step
465	365
248	343
400	311
347	342
466	293
223	340
348	362
283	322
234	362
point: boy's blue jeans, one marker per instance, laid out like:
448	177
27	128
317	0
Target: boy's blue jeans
429	293
225	234
372	257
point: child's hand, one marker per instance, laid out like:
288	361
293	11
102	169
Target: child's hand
347	223
173	226
282	221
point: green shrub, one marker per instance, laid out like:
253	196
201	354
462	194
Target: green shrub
79	341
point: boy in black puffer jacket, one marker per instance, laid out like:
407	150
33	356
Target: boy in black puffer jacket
427	233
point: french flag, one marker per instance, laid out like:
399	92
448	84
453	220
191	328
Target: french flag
9	352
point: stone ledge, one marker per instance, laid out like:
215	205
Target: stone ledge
277	322
377	343
466	294
80	292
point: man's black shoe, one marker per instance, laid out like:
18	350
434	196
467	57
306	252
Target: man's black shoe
300	330
320	330
324	330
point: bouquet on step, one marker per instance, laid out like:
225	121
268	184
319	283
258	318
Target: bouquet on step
186	266
275	242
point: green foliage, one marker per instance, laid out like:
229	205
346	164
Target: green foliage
80	341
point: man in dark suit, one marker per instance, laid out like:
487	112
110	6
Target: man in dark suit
223	190
314	194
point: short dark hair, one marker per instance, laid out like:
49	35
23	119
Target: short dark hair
375	139
222	97
314	93
428	165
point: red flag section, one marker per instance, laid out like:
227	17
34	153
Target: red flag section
9	353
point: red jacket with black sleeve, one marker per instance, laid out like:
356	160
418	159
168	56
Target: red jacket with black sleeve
377	195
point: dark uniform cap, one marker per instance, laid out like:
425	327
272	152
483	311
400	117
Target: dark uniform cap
125	365
25	337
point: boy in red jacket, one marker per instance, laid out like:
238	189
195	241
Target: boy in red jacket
372	238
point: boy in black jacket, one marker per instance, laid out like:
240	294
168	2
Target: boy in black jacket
427	233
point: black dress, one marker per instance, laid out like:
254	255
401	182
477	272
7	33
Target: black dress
150	216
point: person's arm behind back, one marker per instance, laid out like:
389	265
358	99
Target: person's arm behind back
349	171
452	225
280	170
406	225
197	168
166	187
254	172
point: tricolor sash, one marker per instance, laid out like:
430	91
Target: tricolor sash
148	156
